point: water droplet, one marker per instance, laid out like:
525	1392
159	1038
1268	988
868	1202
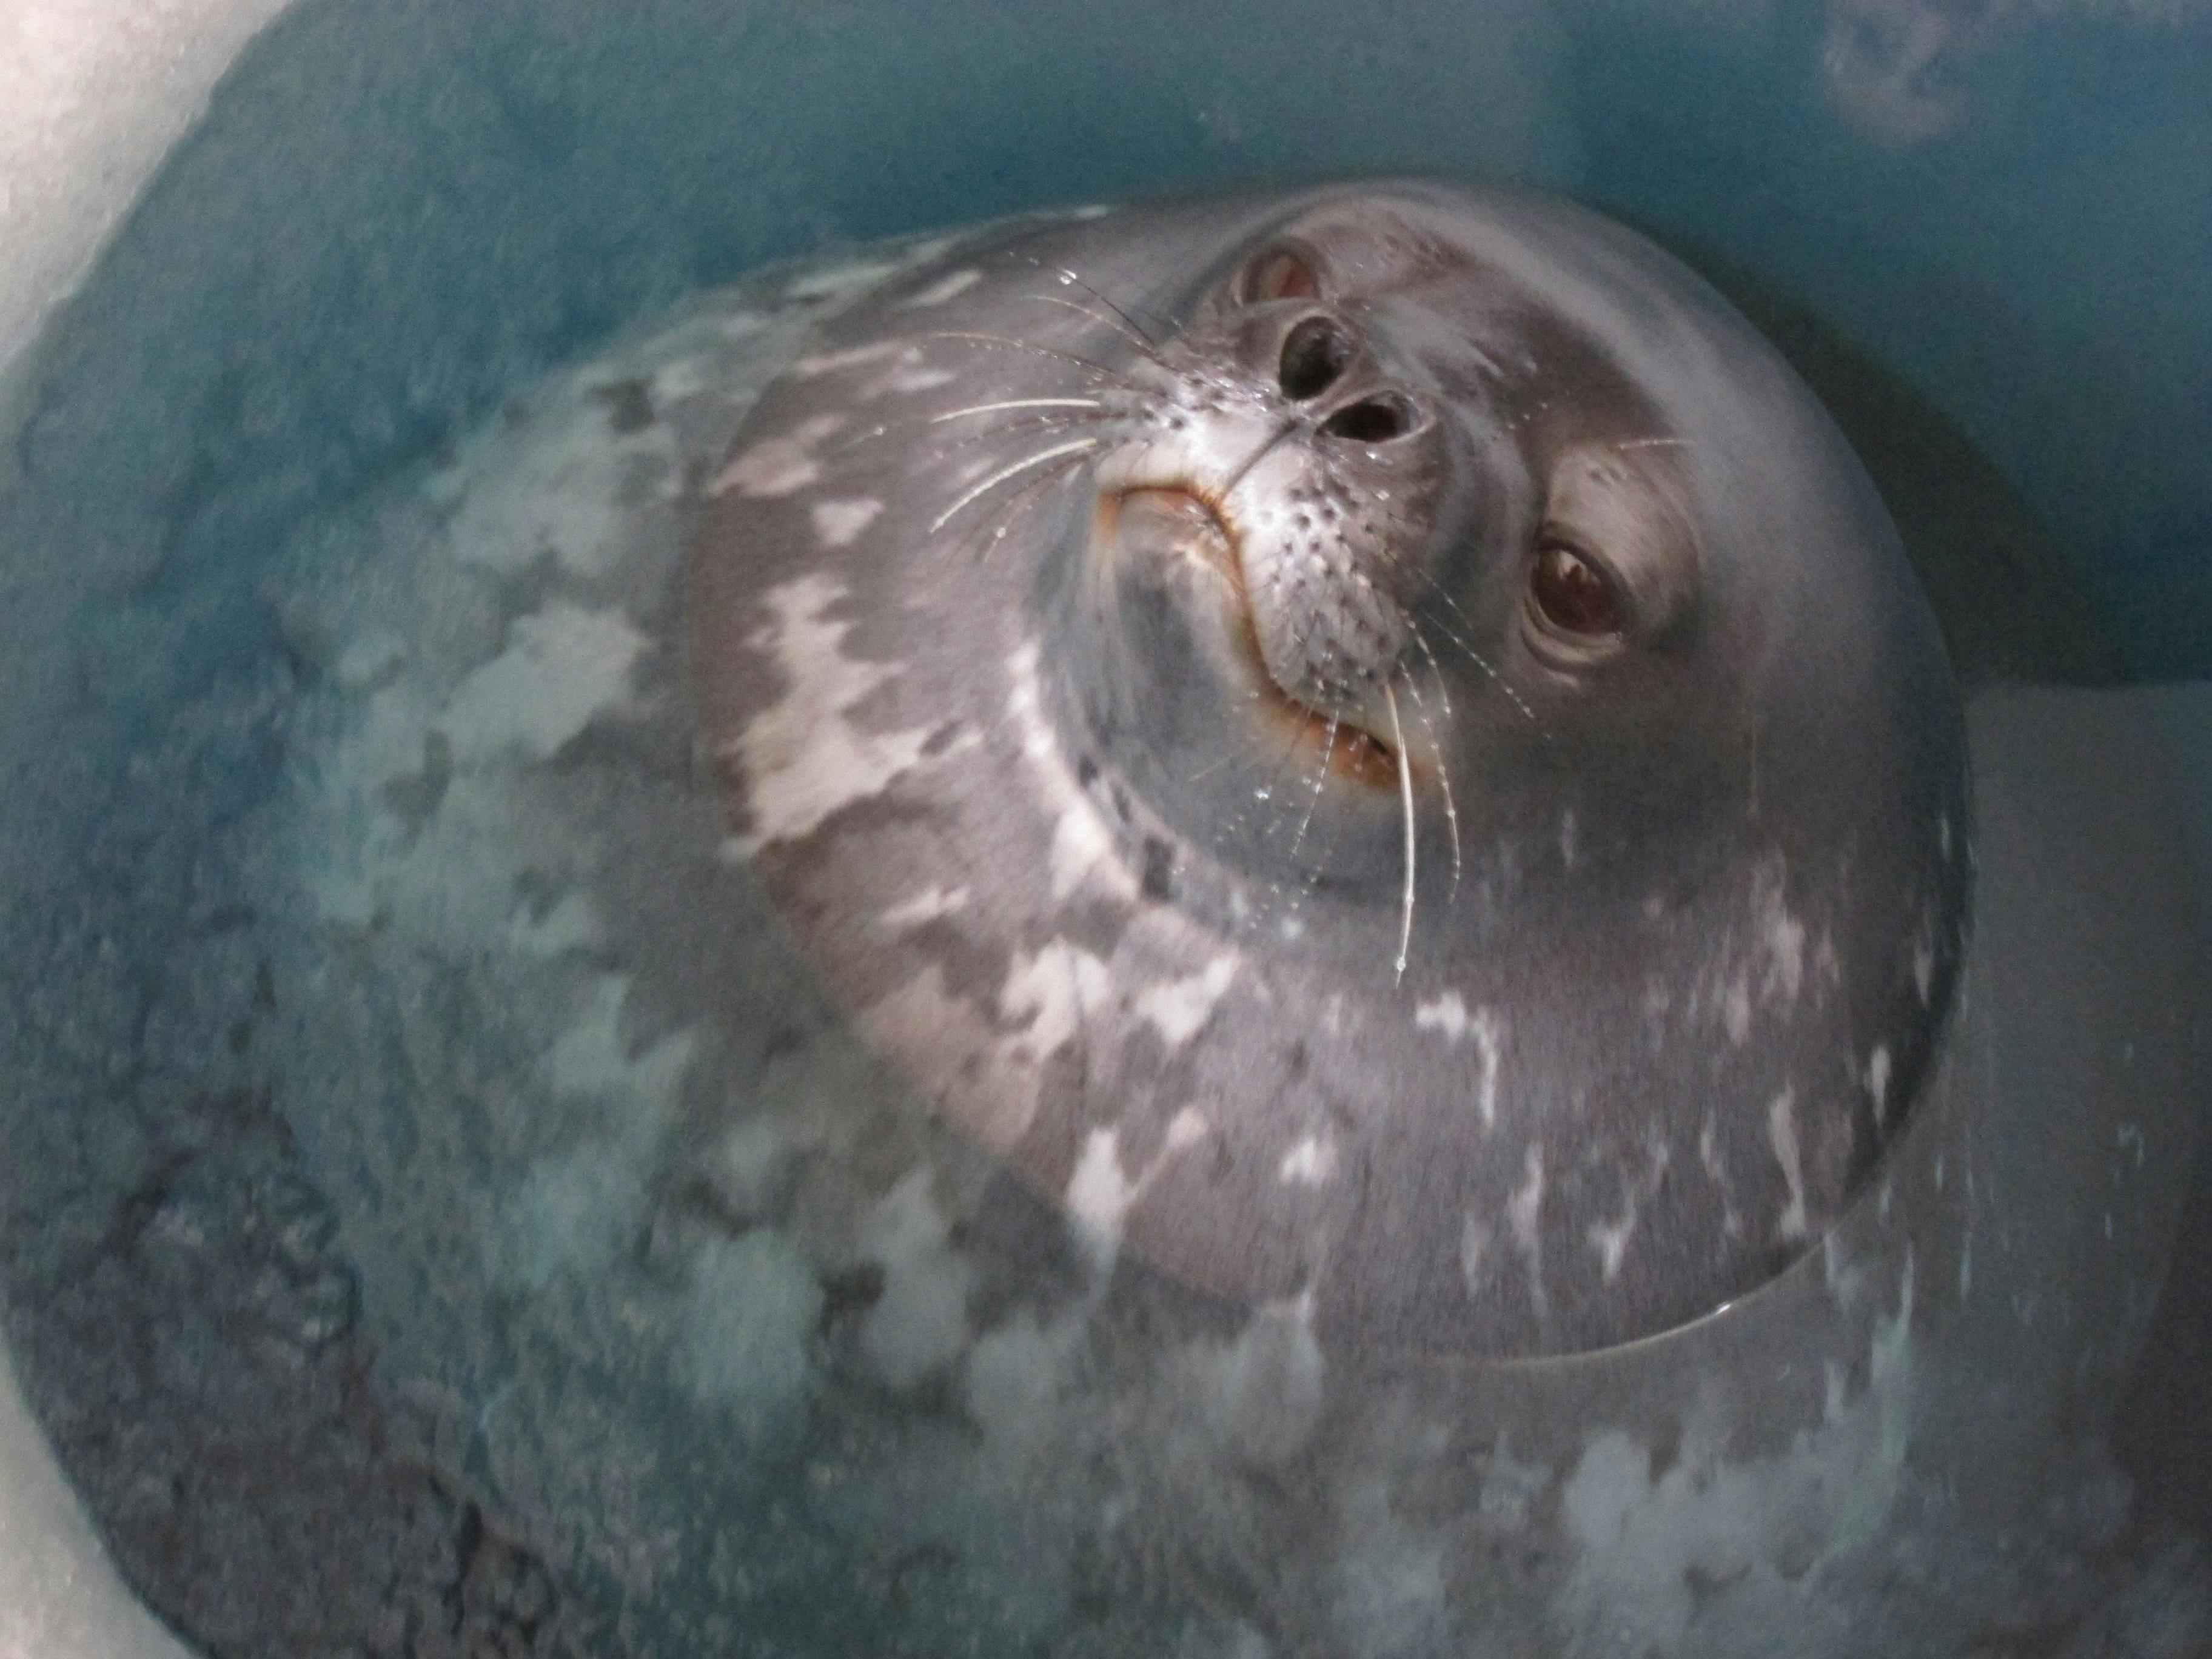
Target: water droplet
1262	794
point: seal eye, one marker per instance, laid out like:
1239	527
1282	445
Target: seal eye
1573	594
1280	275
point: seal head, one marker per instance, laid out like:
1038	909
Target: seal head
1374	743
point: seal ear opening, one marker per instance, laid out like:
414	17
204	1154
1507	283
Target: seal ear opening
1277	273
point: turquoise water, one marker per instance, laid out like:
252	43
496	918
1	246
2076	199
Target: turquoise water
395	214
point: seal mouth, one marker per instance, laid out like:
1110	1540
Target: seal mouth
1181	520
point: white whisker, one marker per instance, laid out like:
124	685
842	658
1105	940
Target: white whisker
1406	800
1481	661
1006	472
1444	690
1084	363
1026	497
1074	280
1145	347
1320	782
1017	403
1444	772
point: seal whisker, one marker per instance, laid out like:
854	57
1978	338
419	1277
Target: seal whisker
1042	425
1444	772
1143	345
1320	782
1028	495
1405	802
1013	402
1444	690
1070	277
1082	362
1481	661
1004	473
1100	413
1282	760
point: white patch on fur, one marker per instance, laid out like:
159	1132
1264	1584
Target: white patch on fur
1080	842
1735	1010
837	280
820	363
1082	846
1098	1196
1025	703
962	1044
1311	1162
778	466
562	666
1473	1246
925	906
1785	949
1709	1154
1877	1081
1782	1131
1055	990
1100	1191
1448	1014
838	522
1527	1204
1610	1240
907	382
1178	1007
804	759
945	287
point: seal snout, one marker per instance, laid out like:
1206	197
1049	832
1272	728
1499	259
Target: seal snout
1180	523
1281	446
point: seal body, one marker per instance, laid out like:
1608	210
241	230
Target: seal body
1374	744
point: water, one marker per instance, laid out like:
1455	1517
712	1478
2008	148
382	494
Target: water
396	216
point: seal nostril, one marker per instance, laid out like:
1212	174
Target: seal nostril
1371	420
1315	354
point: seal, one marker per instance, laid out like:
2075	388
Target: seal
1374	743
